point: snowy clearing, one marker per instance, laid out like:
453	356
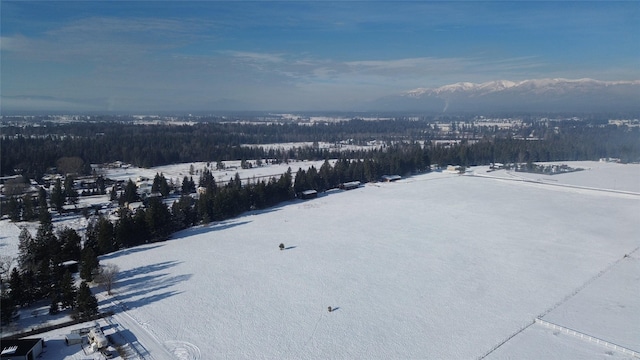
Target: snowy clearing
433	266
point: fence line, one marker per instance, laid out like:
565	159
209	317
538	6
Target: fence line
495	347
587	283
589	338
562	301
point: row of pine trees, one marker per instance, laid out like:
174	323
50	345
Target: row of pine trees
40	274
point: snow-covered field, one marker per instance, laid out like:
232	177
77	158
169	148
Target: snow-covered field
177	172
433	266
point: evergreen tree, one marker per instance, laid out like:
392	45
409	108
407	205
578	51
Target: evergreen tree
42	200
67	290
326	177
300	183
44	216
28	212
188	186
57	196
158	219
312	178
89	264
183	212
91	236
42	280
141	232
29	291
130	193
54	306
46	246
7	308
70	192
14	209
26	251
206	179
86	302
124	229
101	186
204	208
113	194
219	165
70	244
17	288
105	236
160	185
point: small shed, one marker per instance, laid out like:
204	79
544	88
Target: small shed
309	194
21	349
350	185
455	169
390	178
134	206
71	266
72	339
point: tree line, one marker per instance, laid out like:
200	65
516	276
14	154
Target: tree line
32	151
40	274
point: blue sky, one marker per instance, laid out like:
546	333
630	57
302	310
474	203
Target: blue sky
296	55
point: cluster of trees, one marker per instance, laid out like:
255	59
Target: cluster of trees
41	273
590	144
398	159
33	150
156	221
27	206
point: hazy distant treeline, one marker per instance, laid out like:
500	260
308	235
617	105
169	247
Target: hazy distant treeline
32	150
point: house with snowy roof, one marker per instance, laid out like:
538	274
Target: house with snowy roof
21	349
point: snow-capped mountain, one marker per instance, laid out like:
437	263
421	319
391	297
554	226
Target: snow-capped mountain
541	95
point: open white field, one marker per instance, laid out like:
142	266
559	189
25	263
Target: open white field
435	266
596	175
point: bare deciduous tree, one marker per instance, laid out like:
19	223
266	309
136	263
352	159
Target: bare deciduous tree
107	276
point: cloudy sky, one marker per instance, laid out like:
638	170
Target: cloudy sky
296	55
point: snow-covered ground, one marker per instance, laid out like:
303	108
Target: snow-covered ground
433	266
177	172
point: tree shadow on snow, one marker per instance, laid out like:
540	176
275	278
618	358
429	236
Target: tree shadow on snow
128	251
290	247
161	282
146	284
146	269
207	228
151	299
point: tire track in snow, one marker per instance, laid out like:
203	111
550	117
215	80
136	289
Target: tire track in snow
313	333
143	339
315	327
183	350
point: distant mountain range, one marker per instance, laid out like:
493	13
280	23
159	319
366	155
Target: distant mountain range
540	95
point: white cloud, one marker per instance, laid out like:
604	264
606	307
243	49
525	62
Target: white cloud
100	40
